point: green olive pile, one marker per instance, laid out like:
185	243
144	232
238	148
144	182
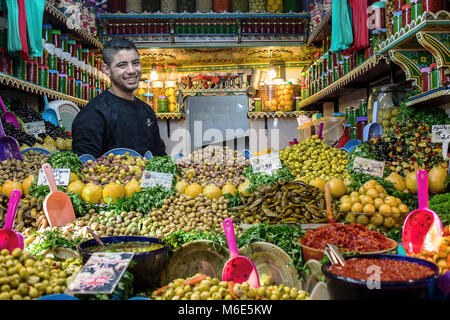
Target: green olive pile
13	169
22	277
30	213
312	158
136	246
182	212
214	289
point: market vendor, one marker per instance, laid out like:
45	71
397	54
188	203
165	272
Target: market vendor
116	118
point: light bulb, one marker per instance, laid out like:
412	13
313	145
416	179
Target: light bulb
272	74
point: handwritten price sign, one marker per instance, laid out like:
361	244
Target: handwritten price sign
266	163
34	128
152	178
62	177
368	166
440	133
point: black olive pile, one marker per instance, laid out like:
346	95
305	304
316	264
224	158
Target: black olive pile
54	131
19	135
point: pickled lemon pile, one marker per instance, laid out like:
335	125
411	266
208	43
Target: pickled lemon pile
312	158
378	208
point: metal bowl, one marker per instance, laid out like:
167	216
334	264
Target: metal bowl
148	265
344	288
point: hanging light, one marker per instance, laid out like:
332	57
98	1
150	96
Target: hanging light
153	73
272	72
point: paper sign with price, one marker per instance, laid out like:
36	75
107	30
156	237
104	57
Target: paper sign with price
368	166
152	178
34	128
266	163
440	133
62	177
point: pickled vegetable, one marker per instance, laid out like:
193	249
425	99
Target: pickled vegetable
136	246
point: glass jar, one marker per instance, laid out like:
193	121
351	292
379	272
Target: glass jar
79	51
378	36
70	69
378	15
389	98
257	104
398	21
406	15
275	6
53	79
426	80
62	83
257	5
435	76
163	104
151	5
52	61
85	56
171	93
32	71
78	72
363	108
239	5
360	125
61	65
185	5
346	65
56	38
78	89
5	61
20	68
221	5
47	32
297	100
285	96
91	93
270	99
43	76
168	6
203	5
157	90
398	4
432	5
71	86
444	76
416	9
72	48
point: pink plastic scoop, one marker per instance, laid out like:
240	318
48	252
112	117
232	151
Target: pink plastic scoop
9	116
422	229
239	268
57	205
9	238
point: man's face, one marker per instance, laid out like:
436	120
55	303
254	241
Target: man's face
125	71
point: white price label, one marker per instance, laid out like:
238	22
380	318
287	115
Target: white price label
34	128
440	133
266	163
368	166
62	177
153	178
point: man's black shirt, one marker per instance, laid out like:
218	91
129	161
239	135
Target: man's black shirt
109	122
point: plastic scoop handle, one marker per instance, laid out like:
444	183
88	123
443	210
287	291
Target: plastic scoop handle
12	208
231	239
320	131
422	189
46	167
375	112
328	203
2	131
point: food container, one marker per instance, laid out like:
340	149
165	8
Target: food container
170	92
148	265
71	86
257	5
20	68
78	89
304	132
378	15
239	5
361	123
274	6
257	104
406	15
432	5
398	21
43	76
168	6
389	98
416	9
285	97
333	128
378	36
444	76
297	101
47	32
32	71
354	289
157	90
270	100
62	83
426	79
203	5
398	4
56	38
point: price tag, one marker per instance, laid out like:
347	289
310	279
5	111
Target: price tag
153	178
101	273
34	128
302	119
266	163
62	177
440	133
368	166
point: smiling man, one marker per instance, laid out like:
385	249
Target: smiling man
116	118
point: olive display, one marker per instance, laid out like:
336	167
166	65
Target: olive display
30	213
22	277
19	170
201	287
21	137
136	246
310	159
257	5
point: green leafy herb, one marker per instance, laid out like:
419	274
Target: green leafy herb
143	201
176	239
263	179
234	200
164	164
440	204
51	239
65	160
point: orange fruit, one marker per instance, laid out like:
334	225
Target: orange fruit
369	208
390	200
380	188
373	193
355	199
378	202
9	186
403	208
367	200
26	184
357	207
346	206
113	191
385	209
395	210
362	190
354	194
193	190
370	184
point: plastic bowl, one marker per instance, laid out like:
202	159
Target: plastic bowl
343	288
317	254
148	267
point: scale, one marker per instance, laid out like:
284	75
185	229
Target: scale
66	112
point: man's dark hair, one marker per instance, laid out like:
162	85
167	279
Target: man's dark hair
113	46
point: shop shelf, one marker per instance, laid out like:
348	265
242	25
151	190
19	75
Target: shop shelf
406	37
322	30
213	92
19	84
369	71
437	96
57	18
170	115
277	114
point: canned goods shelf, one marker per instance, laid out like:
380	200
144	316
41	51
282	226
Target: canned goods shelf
278	114
437	96
32	88
406	37
81	34
322	30
170	115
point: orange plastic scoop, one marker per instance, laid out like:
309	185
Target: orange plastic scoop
57	205
328	203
